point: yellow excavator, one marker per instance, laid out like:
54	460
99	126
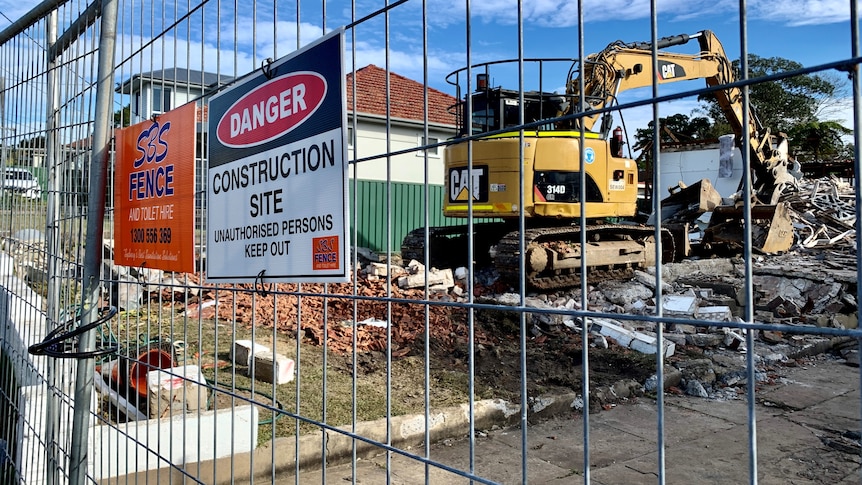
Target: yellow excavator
484	173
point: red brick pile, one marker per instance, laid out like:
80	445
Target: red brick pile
286	304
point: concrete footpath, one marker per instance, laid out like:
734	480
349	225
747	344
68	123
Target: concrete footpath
808	423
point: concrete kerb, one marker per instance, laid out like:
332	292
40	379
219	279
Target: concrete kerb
407	432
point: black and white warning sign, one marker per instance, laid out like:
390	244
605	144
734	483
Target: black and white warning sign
277	172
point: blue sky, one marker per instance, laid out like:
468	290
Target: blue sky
811	32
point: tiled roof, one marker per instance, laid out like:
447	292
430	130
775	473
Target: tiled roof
406	99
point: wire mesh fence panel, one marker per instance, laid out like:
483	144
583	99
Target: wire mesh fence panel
428	242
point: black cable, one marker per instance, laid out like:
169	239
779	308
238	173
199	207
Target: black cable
59	345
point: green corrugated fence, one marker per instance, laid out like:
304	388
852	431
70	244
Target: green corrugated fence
407	210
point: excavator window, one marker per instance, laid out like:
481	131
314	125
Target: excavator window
499	109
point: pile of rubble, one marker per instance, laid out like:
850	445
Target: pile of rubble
398	307
825	214
813	285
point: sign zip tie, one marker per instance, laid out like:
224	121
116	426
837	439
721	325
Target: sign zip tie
266	67
262	289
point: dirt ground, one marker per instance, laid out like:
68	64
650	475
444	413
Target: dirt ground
346	367
553	357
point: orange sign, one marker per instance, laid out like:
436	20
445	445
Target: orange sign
325	253
154	194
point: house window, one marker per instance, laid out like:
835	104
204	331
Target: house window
431	151
161	99
351	136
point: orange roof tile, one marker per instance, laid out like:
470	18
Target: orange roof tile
405	94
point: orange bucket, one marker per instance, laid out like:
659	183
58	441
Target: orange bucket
150	359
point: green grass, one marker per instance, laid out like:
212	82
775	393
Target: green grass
317	383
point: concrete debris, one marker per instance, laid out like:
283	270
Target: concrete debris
545	319
645	279
638	341
366	254
697	369
417	276
733	339
672	378
415	267
695	388
508	299
705	339
243	350
624	293
461	273
272	368
381	269
720	313
262	363
679	305
176	391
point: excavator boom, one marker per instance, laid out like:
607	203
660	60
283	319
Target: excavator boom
620	67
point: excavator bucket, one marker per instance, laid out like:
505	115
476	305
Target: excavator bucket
681	208
687	203
771	228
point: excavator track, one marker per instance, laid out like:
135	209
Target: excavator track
448	244
508	253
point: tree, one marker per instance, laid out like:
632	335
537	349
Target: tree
123	116
798	106
780	105
818	140
674	129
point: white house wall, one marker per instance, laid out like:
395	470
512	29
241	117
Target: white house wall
180	95
183	96
691	166
408	167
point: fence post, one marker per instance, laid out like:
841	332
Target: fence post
52	423
95	228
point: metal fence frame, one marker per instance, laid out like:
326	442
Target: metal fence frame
49	414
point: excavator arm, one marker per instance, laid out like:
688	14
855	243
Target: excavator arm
623	66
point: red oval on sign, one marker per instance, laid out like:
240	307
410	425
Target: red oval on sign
271	109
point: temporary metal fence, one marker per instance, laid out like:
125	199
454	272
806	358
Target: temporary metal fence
262	382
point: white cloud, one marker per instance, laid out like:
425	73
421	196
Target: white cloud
564	13
796	13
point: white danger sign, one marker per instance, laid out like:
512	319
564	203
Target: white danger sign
277	172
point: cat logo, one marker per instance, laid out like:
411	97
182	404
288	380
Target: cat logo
462	182
669	70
